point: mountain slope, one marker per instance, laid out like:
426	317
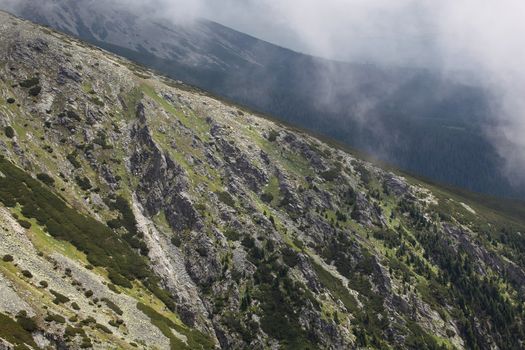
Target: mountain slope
139	212
419	120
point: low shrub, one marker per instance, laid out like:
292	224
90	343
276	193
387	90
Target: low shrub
83	183
366	176
226	198
290	257
331	174
203	252
391	239
113	288
88	321
55	318
8	258
176	241
45	178
113	306
86	344
25	322
95	100
9	132
340	216
118	279
35	91
103	328
272	135
72	158
72	332
71	115
59	298
29	82
25	224
232	235
267	197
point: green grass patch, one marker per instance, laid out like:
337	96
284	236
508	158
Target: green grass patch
196	123
271	193
226	198
336	287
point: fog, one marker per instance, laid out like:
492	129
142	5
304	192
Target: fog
482	37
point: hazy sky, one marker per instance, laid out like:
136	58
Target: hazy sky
347	30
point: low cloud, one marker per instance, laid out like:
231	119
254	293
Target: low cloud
486	38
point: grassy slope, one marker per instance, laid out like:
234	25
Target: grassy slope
502	208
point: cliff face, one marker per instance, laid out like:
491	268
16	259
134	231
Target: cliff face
139	212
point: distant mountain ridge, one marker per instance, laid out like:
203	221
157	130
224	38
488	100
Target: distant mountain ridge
412	118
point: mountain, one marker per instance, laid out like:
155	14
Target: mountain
419	120
139	212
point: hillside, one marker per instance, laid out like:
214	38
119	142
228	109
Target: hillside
137	212
425	121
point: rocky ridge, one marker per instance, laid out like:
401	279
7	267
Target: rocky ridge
188	222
